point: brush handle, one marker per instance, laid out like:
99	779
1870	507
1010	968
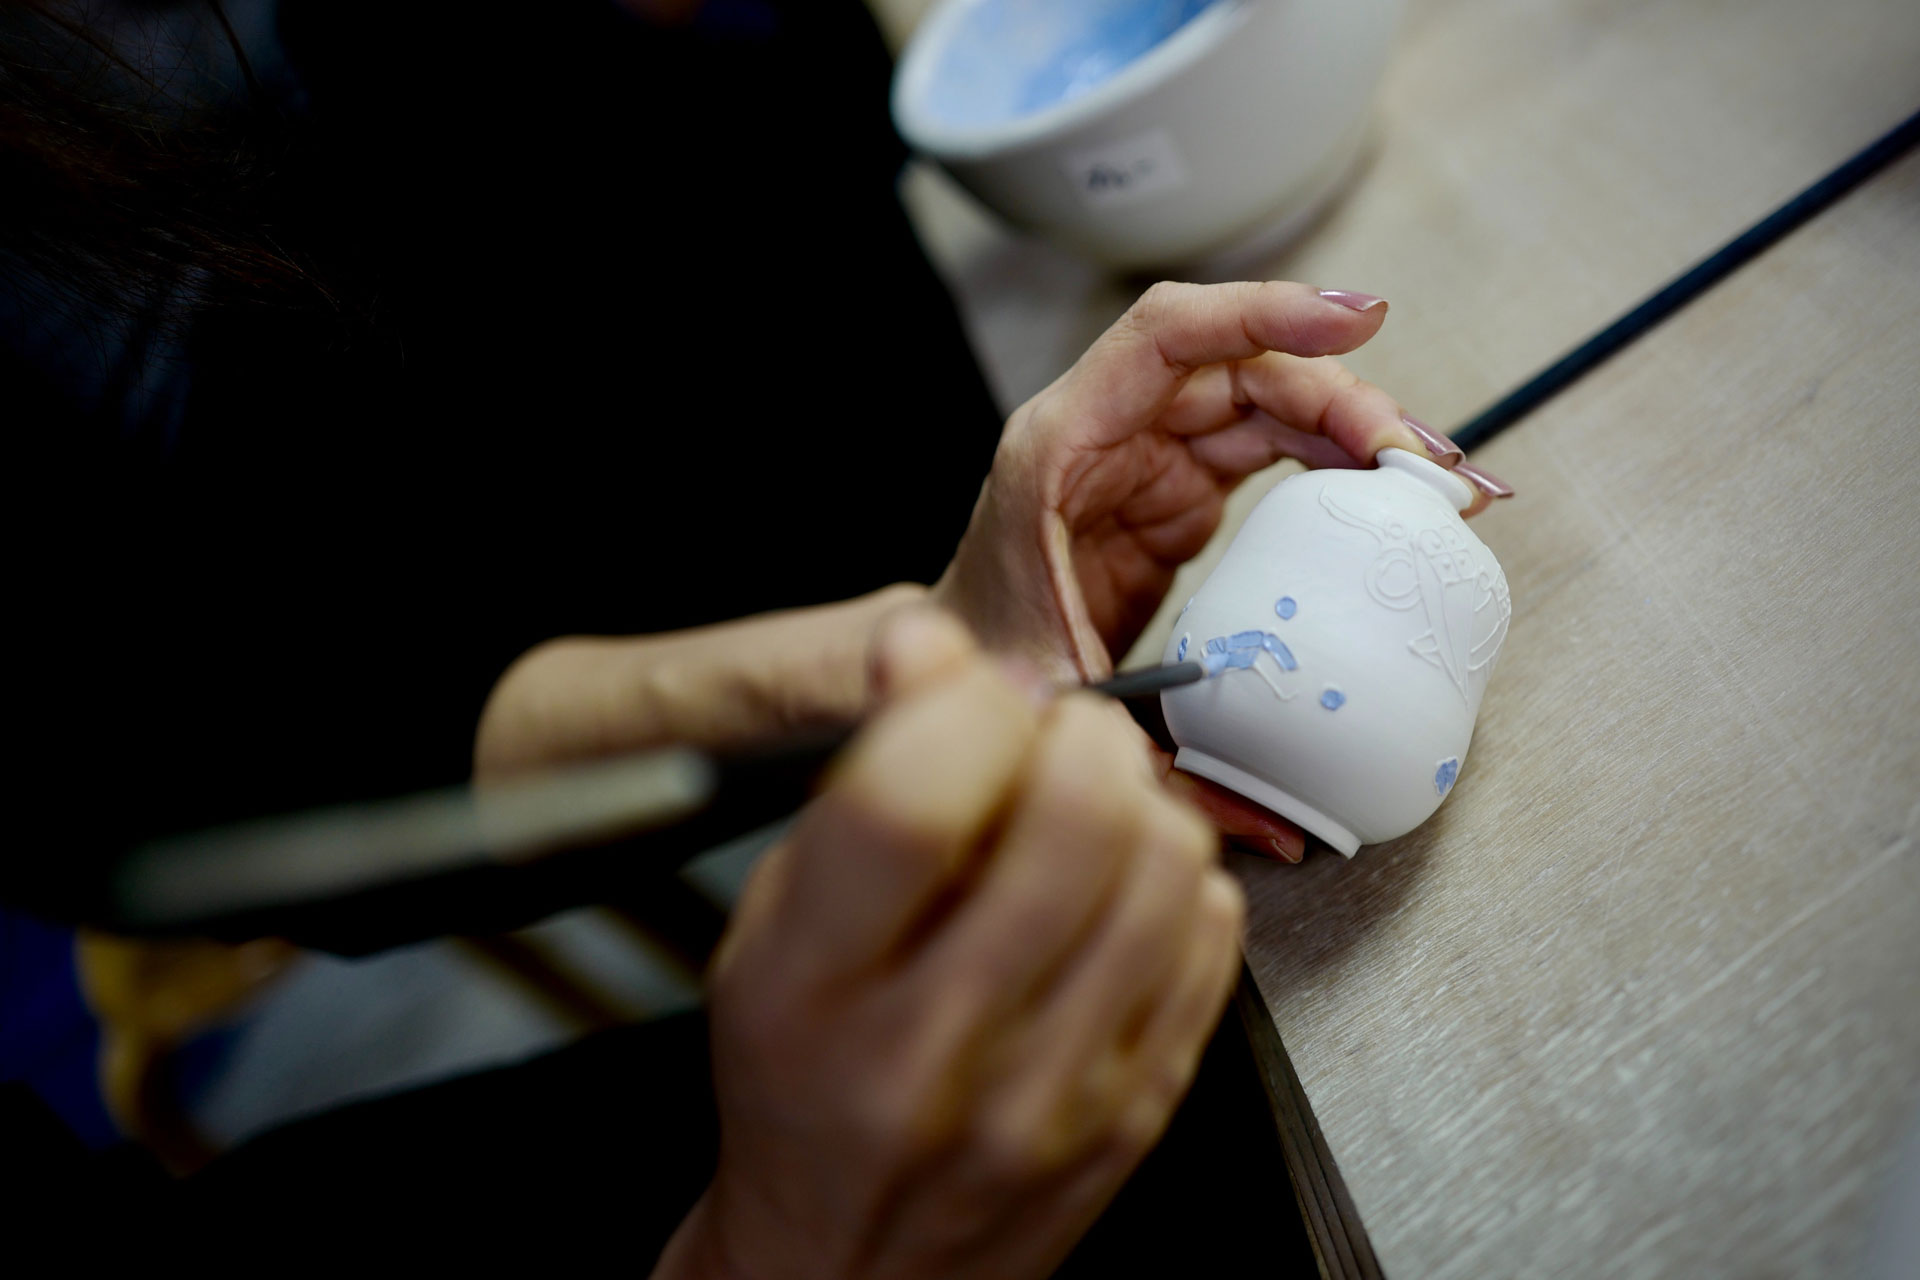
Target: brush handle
660	810
1150	680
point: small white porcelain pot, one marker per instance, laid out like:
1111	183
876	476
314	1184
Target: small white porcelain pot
1352	624
1235	127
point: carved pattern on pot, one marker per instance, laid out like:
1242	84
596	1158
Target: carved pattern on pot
1465	603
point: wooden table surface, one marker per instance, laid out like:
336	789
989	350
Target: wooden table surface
1644	998
1538	167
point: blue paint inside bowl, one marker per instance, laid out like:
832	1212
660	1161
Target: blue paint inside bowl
1009	59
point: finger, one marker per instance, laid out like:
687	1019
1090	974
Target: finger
1248	415
915	647
1099	1000
1132	372
1162	1062
1244	823
1487	487
903	812
1064	851
1185	1009
1067	1080
1481	501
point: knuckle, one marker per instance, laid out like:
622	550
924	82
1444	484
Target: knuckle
1275	293
1223	904
1139	1125
1080	799
1185	836
1106	1089
1273	303
1011	1152
1345	381
1149	952
1100	732
1082	774
1033	915
1149	943
881	818
1350	397
1154	302
895	1118
1018	451
1164	1086
1156	312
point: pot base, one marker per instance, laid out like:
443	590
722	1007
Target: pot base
1239	781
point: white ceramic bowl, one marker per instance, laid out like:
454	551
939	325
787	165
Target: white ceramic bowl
1235	127
1354	620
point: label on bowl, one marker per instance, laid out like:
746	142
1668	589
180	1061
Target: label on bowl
1125	172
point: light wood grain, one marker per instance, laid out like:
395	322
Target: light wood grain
1644	998
1333	1226
1538	166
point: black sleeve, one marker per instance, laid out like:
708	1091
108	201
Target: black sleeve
625	332
225	630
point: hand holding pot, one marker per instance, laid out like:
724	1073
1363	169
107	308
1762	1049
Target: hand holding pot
1115	475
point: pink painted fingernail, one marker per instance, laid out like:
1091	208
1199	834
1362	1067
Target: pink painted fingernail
1485	481
1444	451
1354	301
1266	847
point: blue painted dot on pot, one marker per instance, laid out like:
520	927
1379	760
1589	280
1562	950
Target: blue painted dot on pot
1443	776
1180	654
1333	699
1285	607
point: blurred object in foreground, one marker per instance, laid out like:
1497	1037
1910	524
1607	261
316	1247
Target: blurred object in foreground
1151	132
151	999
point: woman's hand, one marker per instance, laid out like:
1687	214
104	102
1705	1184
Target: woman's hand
960	1003
1114	476
733	686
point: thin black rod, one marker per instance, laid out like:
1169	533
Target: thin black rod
1712	269
1149	680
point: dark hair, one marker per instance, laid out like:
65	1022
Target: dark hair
125	195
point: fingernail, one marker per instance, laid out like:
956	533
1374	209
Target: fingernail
1485	481
1265	847
1444	451
1350	299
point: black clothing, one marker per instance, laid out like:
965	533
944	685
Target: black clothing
598	1150
632	335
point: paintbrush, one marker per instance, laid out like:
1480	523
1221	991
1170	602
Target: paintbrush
1145	681
670	805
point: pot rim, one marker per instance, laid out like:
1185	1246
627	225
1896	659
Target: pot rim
925	131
